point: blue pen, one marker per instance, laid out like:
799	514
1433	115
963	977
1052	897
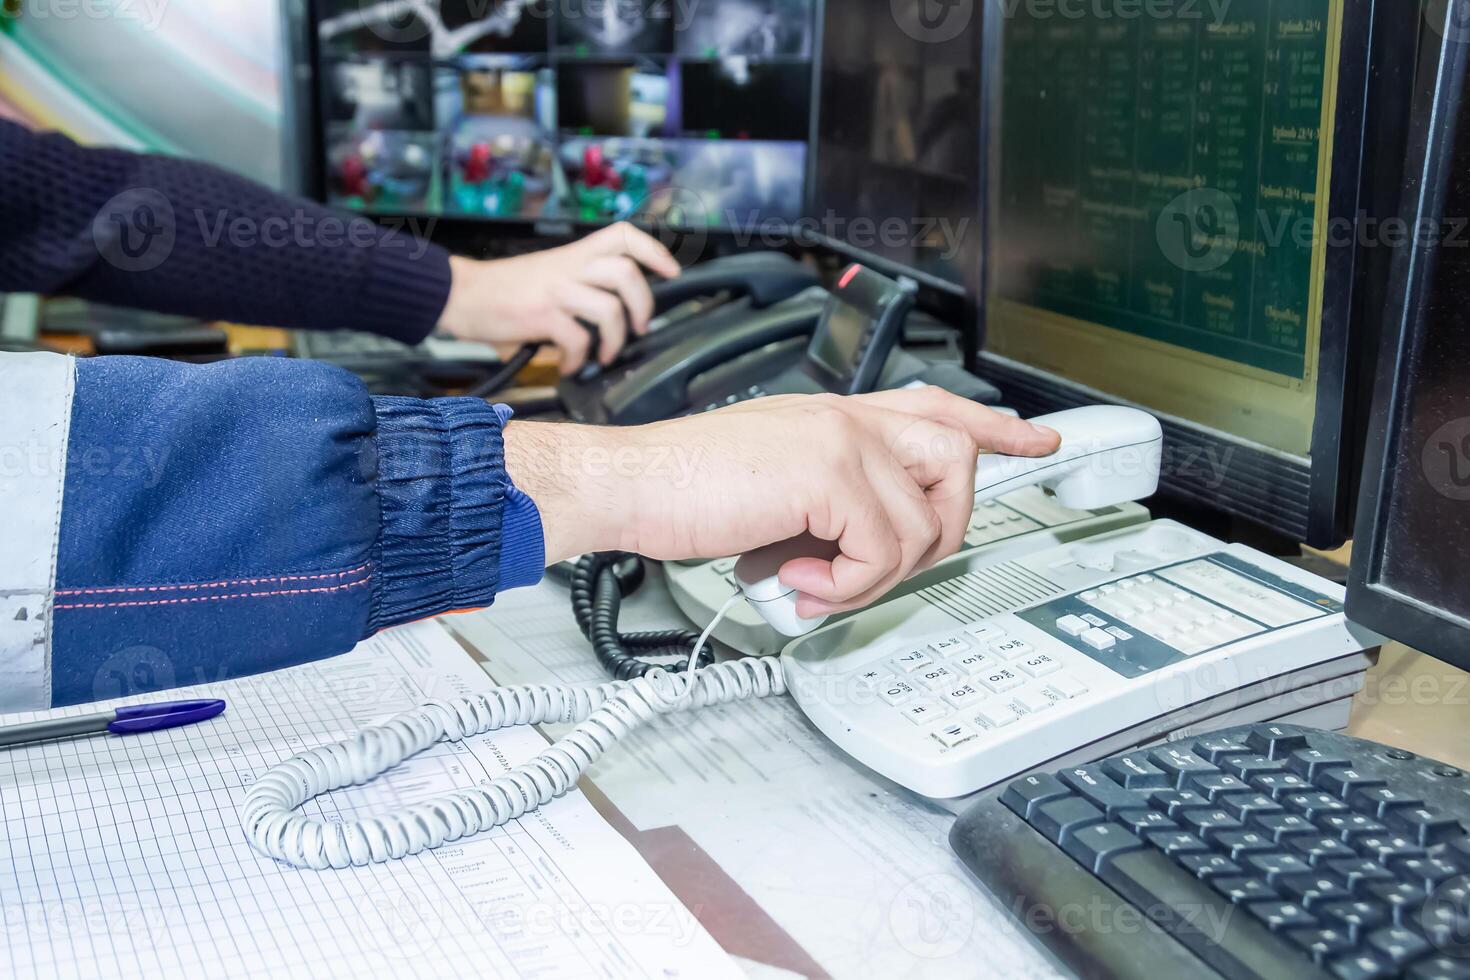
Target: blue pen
133	720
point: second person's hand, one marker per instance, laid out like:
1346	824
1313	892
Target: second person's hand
540	297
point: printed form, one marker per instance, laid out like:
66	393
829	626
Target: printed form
125	856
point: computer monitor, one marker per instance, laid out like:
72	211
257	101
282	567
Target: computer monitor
896	174
565	111
1180	217
1413	533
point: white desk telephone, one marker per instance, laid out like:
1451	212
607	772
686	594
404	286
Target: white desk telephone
1068	653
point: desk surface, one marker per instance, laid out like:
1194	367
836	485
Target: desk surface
725	811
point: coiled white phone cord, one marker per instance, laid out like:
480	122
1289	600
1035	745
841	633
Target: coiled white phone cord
606	713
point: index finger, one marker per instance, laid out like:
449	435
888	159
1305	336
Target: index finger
643	248
992	431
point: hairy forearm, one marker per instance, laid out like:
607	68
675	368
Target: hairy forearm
568	471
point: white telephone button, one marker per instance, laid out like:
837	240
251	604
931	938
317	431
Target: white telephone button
1099	639
956	733
1072	625
923	712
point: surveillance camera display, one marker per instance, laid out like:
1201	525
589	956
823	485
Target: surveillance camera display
698	115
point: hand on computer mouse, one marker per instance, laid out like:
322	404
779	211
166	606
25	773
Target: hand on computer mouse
541	296
889	476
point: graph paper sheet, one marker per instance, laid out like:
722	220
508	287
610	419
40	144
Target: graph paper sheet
125	857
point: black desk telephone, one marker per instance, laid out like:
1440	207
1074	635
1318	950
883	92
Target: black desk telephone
754	325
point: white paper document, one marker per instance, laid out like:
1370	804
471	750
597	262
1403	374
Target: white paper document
856	870
123	856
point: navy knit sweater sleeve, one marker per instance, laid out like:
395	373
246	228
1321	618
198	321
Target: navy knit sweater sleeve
176	236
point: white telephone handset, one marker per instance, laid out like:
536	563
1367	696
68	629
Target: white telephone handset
1108	455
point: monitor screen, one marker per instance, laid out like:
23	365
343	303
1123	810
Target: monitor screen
897	165
1159	205
698	115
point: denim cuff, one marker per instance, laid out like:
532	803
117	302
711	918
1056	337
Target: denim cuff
454	530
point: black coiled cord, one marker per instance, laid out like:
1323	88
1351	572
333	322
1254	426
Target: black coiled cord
599	583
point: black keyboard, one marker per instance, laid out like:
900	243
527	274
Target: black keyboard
1260	851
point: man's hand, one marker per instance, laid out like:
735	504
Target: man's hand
541	296
890	477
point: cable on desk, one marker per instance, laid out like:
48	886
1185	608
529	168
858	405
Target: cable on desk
507	374
605	714
599	584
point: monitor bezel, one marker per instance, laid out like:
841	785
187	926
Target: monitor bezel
306	155
1308	499
1433	161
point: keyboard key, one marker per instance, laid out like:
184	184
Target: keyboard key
1206	866
1275	866
1387	849
1172	801
1425	872
1040	665
1359	873
1349	827
1314	804
922	712
897	692
1312	890
1439	968
1023	795
1175	843
1095	786
1240	890
1308	763
1143	821
1355	918
1403	899
1057	820
1320	943
1282	826
1278	784
954	734
1361	966
1179	764
1248	767
1242	805
1001	679
1319	850
1136	772
913	660
964	695
1379	801
1341	782
1096	845
1211	785
1208	824
1217	747
1274	741
1399	945
1241	844
1425	826
1281	915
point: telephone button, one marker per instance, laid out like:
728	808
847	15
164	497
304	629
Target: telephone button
955	733
912	661
950	646
923	712
937	678
1002	679
897	693
997	716
1072	625
1068	687
964	695
1040	665
1099	639
985	631
1011	649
